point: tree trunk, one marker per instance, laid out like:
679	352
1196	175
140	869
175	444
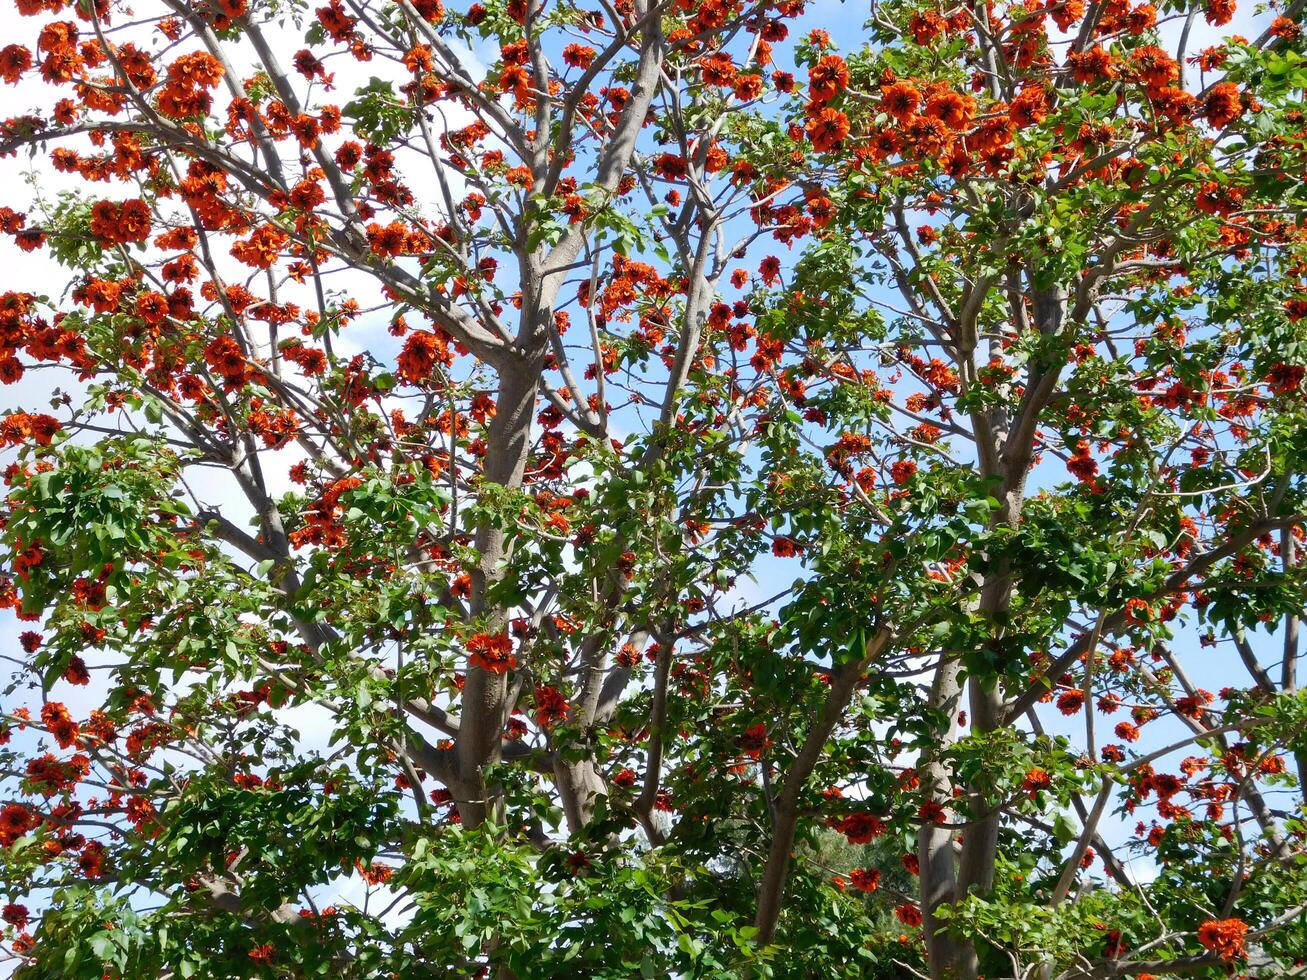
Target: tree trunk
938	870
483	708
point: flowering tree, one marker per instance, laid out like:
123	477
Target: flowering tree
655	489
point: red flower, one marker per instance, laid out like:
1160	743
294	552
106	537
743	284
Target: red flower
1285	379
1082	465
1224	937
578	55
15	820
900	100
1069	702
860	828
59	724
422	352
903	471
15	915
953	109
1137	612
827	129
755	740
224	357
115	224
22	426
1035	780
865	879
14	60
783	547
261	249
932	811
1285	29
551	707
1029	108
909	915
1222	104
491	652
1116	946
747	87
828	78
1220	12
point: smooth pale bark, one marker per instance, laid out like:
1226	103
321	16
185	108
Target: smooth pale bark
1006	451
483	706
935	852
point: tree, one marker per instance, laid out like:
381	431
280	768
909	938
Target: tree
441	381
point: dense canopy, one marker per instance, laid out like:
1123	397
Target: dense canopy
616	488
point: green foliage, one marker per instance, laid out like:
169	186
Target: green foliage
86	512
